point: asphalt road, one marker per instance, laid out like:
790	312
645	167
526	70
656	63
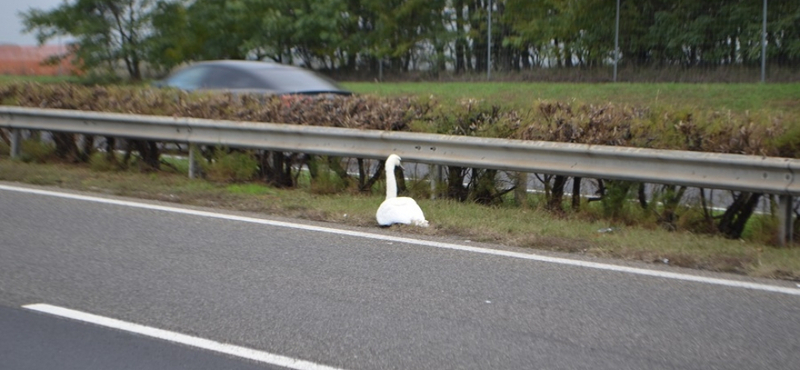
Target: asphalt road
30	341
366	303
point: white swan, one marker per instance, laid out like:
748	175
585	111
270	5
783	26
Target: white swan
394	210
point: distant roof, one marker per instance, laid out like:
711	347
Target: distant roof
17	52
29	60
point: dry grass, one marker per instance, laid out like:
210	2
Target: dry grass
522	227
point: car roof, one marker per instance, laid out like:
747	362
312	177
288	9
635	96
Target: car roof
245	64
320	83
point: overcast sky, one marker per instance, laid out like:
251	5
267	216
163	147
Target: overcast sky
11	24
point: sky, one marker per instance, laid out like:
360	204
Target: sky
11	23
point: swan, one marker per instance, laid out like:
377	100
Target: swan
398	210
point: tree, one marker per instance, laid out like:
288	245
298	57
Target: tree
405	27
172	41
318	31
273	31
219	29
421	34
107	32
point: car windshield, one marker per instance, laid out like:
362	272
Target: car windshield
188	79
289	80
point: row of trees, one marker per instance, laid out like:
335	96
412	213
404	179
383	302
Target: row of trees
432	35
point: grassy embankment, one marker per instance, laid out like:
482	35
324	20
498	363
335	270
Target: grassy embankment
777	99
531	227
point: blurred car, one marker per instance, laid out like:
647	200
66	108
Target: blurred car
242	76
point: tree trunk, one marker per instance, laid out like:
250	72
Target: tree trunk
365	185
461	43
483	187
111	156
88	148
557	193
66	148
151	156
642	196
735	217
278	170
576	194
455	184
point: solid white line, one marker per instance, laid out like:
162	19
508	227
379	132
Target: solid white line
188	340
458	247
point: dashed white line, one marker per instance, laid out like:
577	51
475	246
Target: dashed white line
458	247
229	349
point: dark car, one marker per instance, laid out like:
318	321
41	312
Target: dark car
251	77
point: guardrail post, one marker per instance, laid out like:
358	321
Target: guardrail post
436	178
192	163
521	190
16	143
785	229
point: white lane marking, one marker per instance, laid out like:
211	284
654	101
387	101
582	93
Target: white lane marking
462	248
174	337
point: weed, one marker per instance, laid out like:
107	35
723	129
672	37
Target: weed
327	176
176	164
250	189
236	166
5	149
533	227
36	151
100	162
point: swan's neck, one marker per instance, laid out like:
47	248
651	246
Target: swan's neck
391	183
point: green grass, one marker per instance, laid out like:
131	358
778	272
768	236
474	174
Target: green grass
250	189
776	98
737	97
527	227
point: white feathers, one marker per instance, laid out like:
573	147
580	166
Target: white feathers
402	210
398	210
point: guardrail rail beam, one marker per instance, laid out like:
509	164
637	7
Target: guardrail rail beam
768	175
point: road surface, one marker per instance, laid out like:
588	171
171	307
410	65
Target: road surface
369	299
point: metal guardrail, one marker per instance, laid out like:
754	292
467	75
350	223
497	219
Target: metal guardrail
696	169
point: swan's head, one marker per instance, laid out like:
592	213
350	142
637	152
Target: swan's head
392	161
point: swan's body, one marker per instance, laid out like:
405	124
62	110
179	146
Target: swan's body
398	210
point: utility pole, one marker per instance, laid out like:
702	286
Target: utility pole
764	46
616	44
489	52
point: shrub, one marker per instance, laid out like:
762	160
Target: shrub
36	151
235	166
658	127
327	175
616	198
101	163
5	149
